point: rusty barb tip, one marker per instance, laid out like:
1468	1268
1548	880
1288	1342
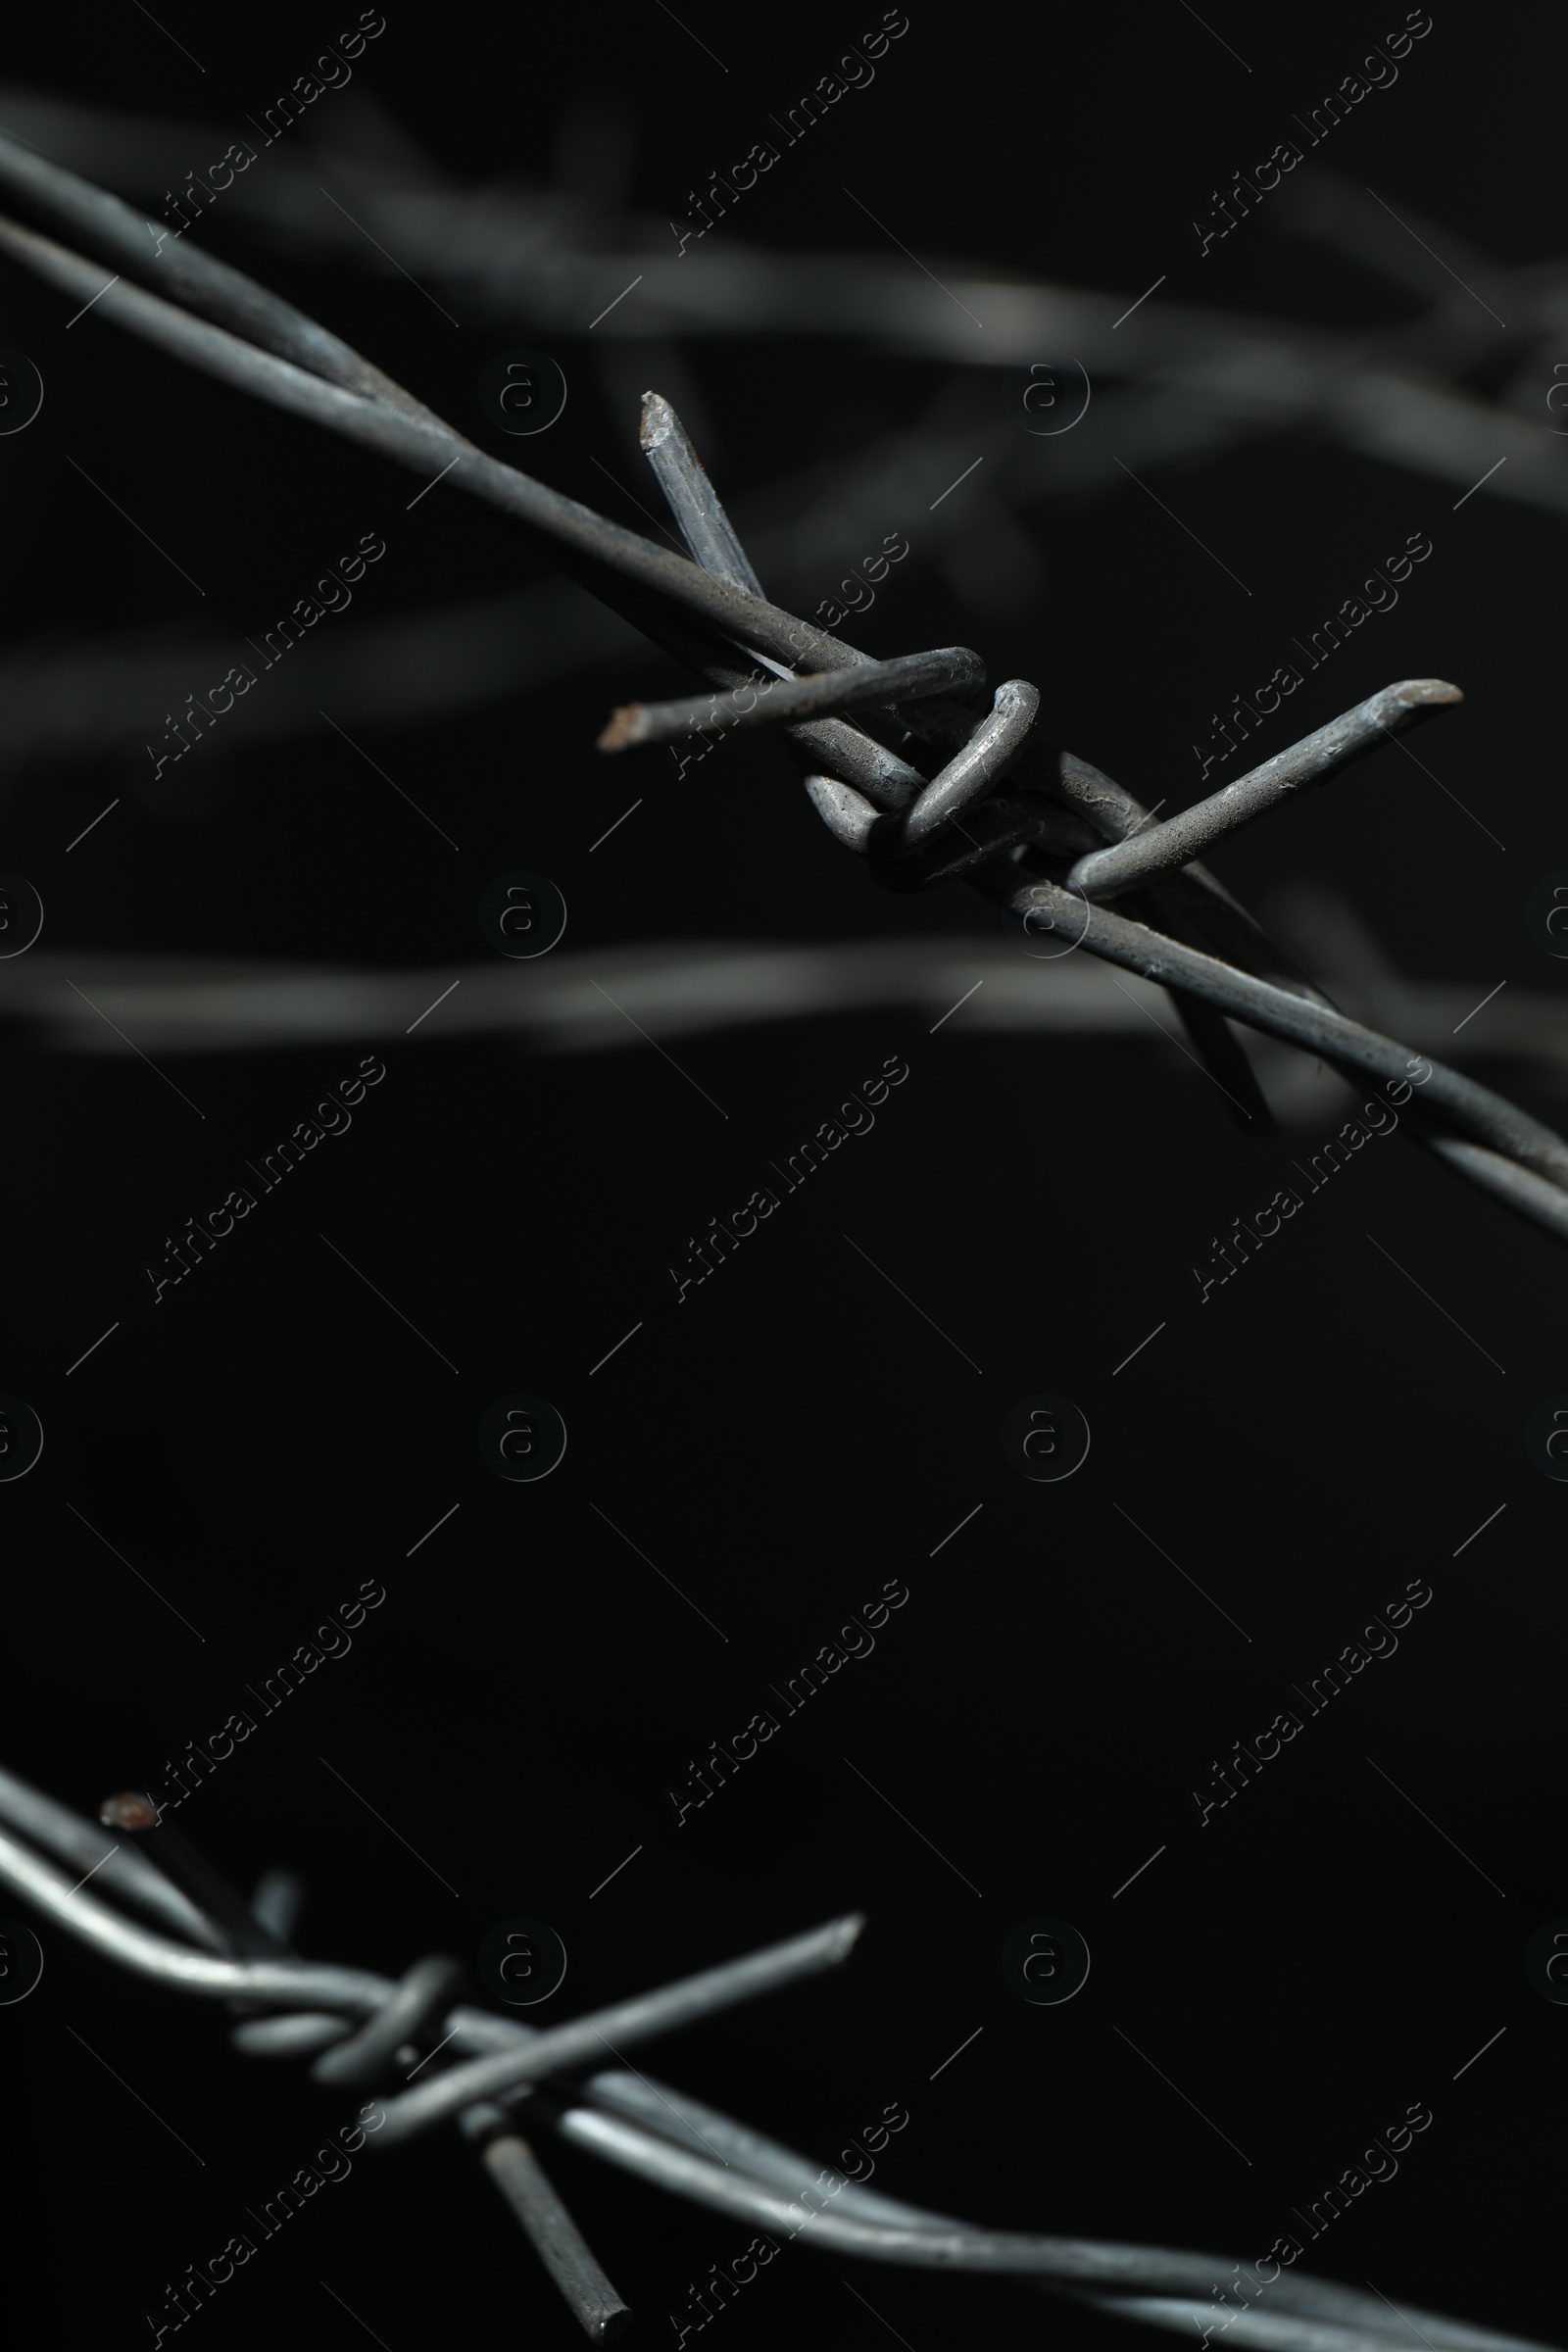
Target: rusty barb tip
625	727
657	421
1426	690
130	1810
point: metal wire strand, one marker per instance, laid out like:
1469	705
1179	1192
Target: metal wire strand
395	2013
389	422
991	747
985	759
1484	1118
932	2243
409	2009
1312	761
409	2016
772	705
234	1925
584	543
985	830
943	827
854	757
1207	904
635	2020
1215	915
522	2180
1217	1047
681	2144
680	988
362	2058
699	514
1272	2331
198	279
847	814
288	1984
297	2036
1220	918
704	2132
693	501
879	773
276	1902
115	1867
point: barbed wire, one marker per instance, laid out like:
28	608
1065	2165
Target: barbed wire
707	613
92	1002
480	2068
913	786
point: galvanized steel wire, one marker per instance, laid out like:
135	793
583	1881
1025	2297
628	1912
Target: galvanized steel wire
355	2024
918	815
707	614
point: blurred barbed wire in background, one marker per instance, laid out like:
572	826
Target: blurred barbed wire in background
91	1002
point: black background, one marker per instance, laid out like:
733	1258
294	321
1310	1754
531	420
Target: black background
794	1434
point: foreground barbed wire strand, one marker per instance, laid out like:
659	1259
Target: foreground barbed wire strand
916	813
1294	1008
1325	753
211	287
302	368
854	819
914	808
559	2244
1265	2337
993	745
591	549
1498	1148
363	2058
827	695
988	749
646	2127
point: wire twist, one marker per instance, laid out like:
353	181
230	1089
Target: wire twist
705	609
645	2127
